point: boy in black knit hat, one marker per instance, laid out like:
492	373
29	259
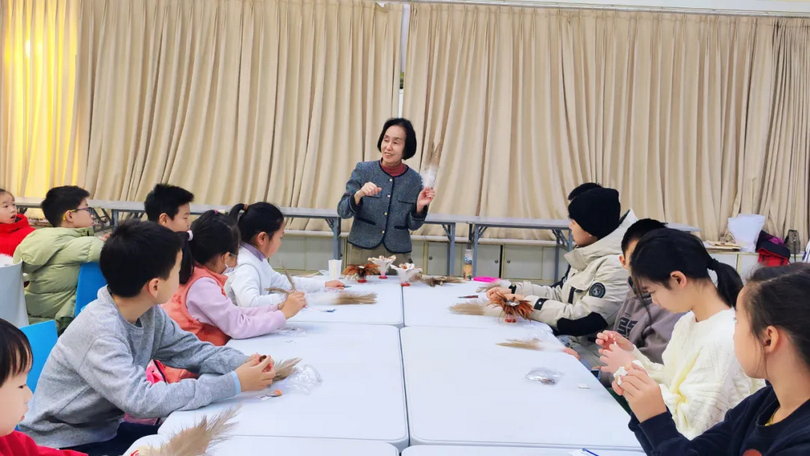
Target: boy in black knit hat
596	284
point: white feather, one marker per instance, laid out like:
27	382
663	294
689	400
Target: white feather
429	176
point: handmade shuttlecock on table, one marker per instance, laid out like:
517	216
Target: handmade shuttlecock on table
433	281
383	263
196	440
431	169
359	272
513	309
407	272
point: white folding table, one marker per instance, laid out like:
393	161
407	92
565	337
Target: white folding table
426	306
362	396
240	445
464	389
387	310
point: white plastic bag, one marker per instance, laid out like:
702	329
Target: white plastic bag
746	228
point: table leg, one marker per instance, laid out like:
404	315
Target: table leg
114	217
334	224
477	232
450	230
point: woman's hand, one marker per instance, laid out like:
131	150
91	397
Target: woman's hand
642	393
425	197
369	189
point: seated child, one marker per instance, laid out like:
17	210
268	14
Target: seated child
170	206
200	305
96	372
700	379
771	343
15	363
261	227
52	257
647	326
588	300
14	226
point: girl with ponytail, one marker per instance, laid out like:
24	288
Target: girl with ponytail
700	378
261	227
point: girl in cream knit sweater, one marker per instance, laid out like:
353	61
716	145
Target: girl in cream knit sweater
700	378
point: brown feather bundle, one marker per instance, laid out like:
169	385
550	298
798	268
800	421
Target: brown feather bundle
512	309
346	298
285	368
526	344
433	281
196	440
496	284
477	307
359	272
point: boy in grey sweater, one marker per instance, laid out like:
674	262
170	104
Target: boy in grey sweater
96	372
647	326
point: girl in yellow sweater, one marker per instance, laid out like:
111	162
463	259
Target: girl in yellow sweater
700	378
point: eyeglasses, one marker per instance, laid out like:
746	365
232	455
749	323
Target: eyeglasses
87	209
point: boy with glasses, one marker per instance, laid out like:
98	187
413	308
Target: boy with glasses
52	257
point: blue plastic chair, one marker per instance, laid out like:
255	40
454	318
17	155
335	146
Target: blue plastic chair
42	337
90	281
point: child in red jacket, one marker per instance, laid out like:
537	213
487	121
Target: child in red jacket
15	363
14	227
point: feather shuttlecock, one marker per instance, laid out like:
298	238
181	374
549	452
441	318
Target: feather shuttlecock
383	264
196	440
407	272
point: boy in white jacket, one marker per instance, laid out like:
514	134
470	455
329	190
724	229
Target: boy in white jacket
261	226
589	297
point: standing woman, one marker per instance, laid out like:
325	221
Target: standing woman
386	198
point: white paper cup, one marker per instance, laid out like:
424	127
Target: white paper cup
334	269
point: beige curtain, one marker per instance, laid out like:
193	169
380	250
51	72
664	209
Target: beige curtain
38	41
693	118
236	100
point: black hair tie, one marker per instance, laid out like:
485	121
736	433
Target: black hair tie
713	264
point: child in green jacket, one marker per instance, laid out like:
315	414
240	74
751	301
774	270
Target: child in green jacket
52	257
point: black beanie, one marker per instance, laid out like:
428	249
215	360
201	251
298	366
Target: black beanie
597	211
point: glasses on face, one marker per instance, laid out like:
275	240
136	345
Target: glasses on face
86	209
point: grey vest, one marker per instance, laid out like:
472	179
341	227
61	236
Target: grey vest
388	217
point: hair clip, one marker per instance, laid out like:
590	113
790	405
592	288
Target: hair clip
190	235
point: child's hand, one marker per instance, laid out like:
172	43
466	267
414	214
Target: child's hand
492	293
252	375
514	297
614	357
642	393
572	352
294	303
334	284
606	339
